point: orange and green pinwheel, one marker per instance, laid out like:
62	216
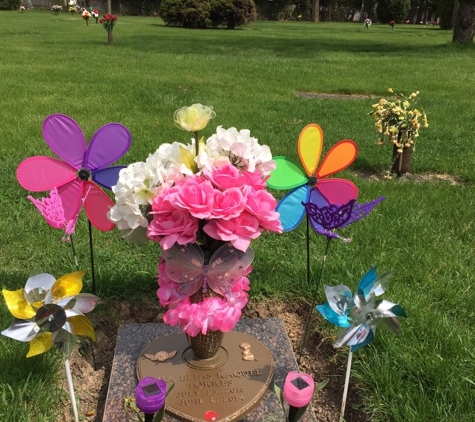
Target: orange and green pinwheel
288	175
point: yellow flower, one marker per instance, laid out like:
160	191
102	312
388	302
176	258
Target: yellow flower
193	118
390	90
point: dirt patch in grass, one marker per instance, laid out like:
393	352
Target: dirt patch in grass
319	358
323	96
416	178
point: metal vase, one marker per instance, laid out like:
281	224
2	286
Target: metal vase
205	346
401	161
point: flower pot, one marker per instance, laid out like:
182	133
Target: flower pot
205	346
110	38
401	161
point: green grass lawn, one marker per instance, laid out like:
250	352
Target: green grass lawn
56	64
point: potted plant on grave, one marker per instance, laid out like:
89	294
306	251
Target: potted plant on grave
86	15
108	22
398	123
95	15
204	203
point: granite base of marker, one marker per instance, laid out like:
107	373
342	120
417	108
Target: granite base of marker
134	339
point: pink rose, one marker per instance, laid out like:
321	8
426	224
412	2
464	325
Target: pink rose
225	177
262	205
228	204
239	231
164	201
256	179
196	196
175	226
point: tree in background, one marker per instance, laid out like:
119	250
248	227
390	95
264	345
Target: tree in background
393	10
465	22
10	4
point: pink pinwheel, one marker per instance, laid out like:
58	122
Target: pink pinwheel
82	167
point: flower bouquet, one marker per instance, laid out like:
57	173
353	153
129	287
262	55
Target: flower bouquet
95	15
22	8
108	22
391	24
86	15
72	10
398	123
56	9
203	203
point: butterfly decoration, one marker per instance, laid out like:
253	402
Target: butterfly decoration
161	356
185	266
288	175
325	217
360	315
82	167
51	208
49	311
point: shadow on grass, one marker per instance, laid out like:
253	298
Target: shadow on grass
281	41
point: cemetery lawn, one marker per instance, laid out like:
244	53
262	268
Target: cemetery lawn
424	229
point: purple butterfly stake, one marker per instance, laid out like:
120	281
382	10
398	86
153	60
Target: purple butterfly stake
325	217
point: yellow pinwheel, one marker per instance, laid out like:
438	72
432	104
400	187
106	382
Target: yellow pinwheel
49	311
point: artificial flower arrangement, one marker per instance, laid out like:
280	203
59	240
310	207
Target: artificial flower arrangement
108	21
391	24
95	15
86	15
72	10
210	197
22	8
56	8
398	120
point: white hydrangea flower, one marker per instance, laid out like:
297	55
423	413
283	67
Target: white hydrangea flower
240	147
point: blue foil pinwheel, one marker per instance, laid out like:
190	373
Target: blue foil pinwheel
360	315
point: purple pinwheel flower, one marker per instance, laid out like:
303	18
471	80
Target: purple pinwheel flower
83	167
325	217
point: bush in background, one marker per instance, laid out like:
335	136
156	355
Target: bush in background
444	10
232	13
205	13
186	13
10	4
140	7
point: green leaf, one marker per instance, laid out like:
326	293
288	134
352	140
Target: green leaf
280	396
159	415
188	159
300	413
322	384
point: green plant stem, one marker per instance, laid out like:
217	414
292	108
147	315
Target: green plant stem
197	133
314	300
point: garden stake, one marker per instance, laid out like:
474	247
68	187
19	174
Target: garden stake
347	380
314	300
91	250
71	389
